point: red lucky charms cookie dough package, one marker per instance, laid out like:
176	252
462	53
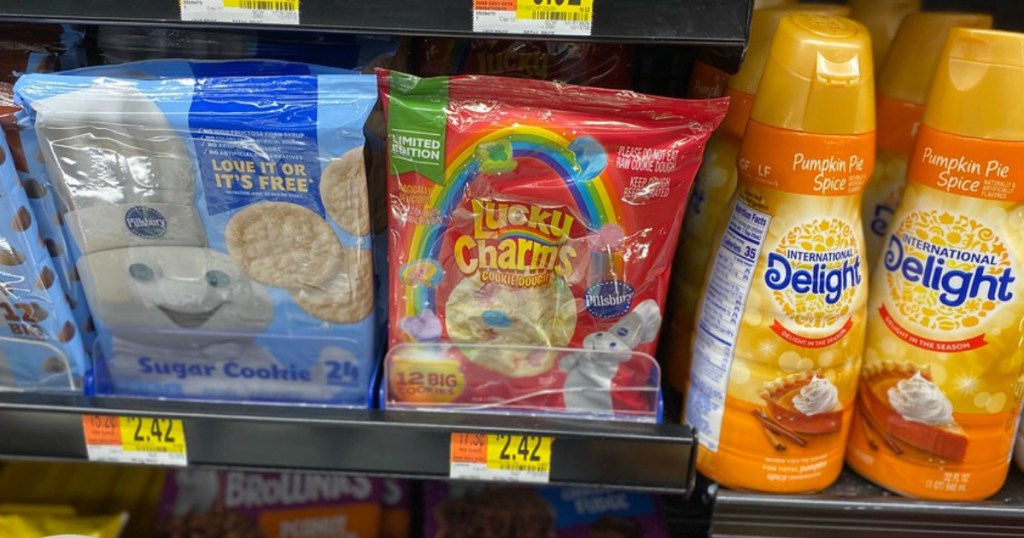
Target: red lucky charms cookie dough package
532	227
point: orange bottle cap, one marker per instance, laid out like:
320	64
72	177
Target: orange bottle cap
976	91
762	30
883	18
910	67
743	85
819	77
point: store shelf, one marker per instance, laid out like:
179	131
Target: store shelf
855	508
402	444
689	22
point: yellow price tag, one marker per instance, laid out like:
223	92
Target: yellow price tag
271	5
519	452
241	11
146	434
501	457
145	440
556	10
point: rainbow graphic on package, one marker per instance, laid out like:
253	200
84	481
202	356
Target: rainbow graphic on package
529	220
219	220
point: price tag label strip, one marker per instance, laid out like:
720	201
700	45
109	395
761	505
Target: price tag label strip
501	457
536	17
284	12
143	440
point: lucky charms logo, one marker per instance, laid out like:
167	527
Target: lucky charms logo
517	238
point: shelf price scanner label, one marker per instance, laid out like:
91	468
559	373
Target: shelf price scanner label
285	12
143	440
501	457
537	17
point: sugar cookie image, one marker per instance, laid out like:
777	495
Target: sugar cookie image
498	315
151	293
345	298
343	192
283	245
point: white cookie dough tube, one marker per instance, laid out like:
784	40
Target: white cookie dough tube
107	227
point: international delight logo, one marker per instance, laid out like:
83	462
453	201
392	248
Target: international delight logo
516	244
814	274
946	273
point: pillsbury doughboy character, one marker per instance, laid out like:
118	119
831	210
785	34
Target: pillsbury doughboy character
126	183
589	373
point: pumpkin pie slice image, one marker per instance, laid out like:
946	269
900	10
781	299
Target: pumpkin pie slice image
902	399
805	403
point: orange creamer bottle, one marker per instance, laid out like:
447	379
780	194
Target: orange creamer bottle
882	18
903	85
780	328
713	188
708	81
943	368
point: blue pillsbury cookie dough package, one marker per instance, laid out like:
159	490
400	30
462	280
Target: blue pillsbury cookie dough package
40	345
218	216
28	162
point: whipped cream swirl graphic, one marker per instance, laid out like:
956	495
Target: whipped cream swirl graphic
919	400
818	396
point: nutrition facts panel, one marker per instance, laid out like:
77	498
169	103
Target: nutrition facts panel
721	312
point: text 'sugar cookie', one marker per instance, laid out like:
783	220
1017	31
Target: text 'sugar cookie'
532	226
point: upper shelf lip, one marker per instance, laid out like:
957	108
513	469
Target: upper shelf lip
717	23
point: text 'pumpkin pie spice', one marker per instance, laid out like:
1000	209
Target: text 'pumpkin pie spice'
941	385
781	319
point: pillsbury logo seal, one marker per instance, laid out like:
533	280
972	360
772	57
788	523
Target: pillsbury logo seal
145	222
608	299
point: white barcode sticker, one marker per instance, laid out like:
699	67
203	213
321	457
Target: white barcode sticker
241	11
537	17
